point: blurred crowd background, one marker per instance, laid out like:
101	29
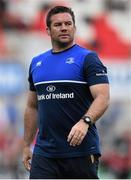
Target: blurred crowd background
103	26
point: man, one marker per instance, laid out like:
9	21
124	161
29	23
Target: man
69	92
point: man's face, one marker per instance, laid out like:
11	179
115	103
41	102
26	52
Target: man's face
62	28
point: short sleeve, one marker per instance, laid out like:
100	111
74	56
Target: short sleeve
30	80
94	70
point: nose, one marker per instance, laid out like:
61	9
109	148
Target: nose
63	27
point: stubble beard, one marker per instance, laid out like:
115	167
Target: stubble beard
62	44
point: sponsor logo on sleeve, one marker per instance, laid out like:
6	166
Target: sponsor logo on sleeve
102	73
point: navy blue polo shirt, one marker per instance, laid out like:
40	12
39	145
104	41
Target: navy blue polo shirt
61	81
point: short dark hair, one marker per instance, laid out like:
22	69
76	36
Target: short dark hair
56	10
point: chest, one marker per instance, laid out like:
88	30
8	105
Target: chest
58	68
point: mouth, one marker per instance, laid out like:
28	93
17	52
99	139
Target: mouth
64	35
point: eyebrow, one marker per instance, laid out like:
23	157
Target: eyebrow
57	22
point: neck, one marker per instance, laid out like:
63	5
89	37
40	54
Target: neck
61	47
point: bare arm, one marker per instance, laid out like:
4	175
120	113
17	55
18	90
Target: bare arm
100	93
30	127
30	119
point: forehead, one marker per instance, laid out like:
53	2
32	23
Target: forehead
61	17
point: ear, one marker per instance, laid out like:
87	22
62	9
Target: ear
48	31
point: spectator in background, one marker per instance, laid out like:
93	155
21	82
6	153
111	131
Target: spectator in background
3	46
107	40
9	21
10	140
118	159
39	22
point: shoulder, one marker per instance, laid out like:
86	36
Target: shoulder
83	50
92	58
87	55
40	57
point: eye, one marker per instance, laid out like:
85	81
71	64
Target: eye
57	24
68	23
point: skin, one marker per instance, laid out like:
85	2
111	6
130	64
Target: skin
62	32
100	93
30	127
